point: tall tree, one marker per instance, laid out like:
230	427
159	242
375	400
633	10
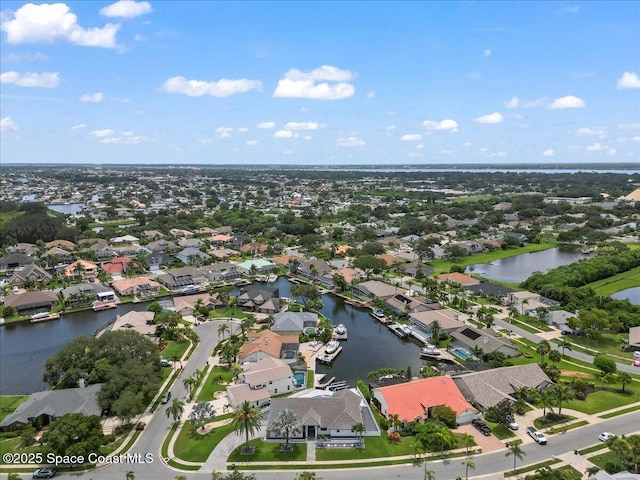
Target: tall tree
542	349
175	410
202	411
359	430
247	419
516	452
287	424
561	394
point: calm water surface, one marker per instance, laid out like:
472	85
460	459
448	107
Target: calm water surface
520	267
631	294
24	348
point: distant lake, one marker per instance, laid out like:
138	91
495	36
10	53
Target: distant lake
67	208
518	268
631	294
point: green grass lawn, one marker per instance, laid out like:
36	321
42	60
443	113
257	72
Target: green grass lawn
227	312
8	403
6	217
499	431
270	452
375	447
604	458
441	266
602	400
609	344
617	283
193	447
175	349
212	383
310	379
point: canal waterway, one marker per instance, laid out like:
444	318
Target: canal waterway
631	294
25	347
518	268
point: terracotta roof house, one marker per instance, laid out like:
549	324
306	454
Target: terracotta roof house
64	244
31	300
220	238
285	260
116	266
469	338
332	416
41	408
391	260
141	322
268	344
342	250
136	286
459	278
261	380
294	323
30	274
415	400
374	289
489	387
254	248
223	253
82	269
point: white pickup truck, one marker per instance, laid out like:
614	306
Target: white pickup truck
537	435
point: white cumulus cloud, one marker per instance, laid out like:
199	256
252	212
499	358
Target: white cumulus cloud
126	9
600	132
570	101
51	23
32	80
371	94
285	134
315	84
447	124
221	88
411	137
596	147
7	125
549	152
490	119
79	127
107	132
223	132
350	142
304	126
516	102
628	80
266	125
92	97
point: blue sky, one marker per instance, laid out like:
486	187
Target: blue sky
307	83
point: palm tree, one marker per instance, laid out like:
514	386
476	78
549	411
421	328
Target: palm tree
248	420
547	400
223	329
624	378
202	411
554	356
245	325
175	410
130	475
446	438
562	393
468	464
417	448
564	344
517	452
216	475
436	329
428	474
477	351
359	429
287	424
591	471
395	421
513	311
467	441
189	383
543	348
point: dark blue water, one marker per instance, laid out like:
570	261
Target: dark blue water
631	294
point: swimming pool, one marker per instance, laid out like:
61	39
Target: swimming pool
300	378
462	353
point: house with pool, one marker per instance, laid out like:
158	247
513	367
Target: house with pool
268	344
262	380
331	415
295	323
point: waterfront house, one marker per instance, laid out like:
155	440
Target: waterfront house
259	299
26	301
268	344
188	304
141	322
330	415
374	289
414	401
43	408
456	278
256	265
294	323
220	272
261	381
489	387
470	339
402	303
142	286
254	248
85	294
179	278
449	319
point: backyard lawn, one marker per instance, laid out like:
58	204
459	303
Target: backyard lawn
8	403
270	452
175	349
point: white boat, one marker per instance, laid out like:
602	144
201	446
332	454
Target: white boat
340	329
429	351
272	278
40	316
406	329
378	314
331	347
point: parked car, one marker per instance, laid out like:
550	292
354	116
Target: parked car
481	426
604	436
636	362
513	425
166	397
44	472
165	363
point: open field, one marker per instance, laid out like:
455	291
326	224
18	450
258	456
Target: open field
8	403
617	283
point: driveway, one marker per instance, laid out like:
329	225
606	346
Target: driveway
488	444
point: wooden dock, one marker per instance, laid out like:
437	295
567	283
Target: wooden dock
328	358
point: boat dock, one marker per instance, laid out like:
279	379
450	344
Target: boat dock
328	358
418	335
52	316
380	316
400	330
339	334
